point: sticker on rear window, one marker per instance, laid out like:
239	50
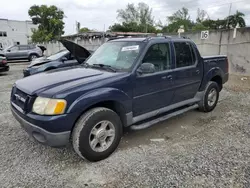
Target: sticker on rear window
130	48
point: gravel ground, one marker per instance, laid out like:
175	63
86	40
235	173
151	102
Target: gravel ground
196	150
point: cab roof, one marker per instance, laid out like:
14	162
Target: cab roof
147	39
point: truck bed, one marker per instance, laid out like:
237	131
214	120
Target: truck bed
215	65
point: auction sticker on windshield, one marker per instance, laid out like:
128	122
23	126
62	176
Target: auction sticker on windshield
130	48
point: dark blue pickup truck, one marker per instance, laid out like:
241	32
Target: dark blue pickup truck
134	82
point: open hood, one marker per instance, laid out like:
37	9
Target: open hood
39	61
80	53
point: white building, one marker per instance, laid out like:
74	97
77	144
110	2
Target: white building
15	32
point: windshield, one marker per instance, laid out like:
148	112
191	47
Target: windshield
119	55
57	55
8	48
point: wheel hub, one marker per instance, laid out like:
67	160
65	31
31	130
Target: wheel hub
212	97
102	136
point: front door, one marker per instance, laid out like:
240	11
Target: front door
188	72
154	90
12	53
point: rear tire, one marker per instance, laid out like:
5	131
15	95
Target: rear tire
97	134
32	57
210	97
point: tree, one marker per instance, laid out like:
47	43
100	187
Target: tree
135	19
49	20
179	18
84	30
131	27
235	19
214	24
201	15
142	14
199	27
181	14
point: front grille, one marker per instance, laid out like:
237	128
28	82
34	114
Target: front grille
20	98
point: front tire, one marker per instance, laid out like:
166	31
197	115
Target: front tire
97	134
32	57
210	97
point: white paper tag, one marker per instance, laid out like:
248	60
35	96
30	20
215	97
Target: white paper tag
130	48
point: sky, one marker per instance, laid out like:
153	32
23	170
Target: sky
100	14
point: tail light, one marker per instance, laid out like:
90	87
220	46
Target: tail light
4	61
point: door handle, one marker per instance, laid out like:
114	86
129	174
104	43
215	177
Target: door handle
170	77
197	71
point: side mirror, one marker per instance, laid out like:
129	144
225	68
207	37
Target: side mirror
8	50
64	59
146	68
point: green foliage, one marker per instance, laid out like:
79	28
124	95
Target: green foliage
135	19
236	19
178	19
49	20
199	27
84	30
179	15
201	16
131	27
215	24
139	19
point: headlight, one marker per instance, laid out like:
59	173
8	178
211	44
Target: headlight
46	106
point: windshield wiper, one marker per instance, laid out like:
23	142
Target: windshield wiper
105	66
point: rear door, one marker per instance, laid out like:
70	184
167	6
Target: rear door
188	71
23	51
154	90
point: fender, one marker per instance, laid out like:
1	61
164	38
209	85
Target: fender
216	71
101	95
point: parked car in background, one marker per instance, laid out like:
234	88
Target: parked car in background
3	64
134	82
61	59
18	52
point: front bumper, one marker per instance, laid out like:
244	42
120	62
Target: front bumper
41	135
4	68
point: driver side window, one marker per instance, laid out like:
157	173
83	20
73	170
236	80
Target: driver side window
159	56
14	48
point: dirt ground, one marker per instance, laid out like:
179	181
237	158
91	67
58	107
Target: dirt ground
195	149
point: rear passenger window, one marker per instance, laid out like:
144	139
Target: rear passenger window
23	47
184	54
32	46
159	55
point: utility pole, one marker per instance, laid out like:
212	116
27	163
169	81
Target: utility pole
228	37
230	8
